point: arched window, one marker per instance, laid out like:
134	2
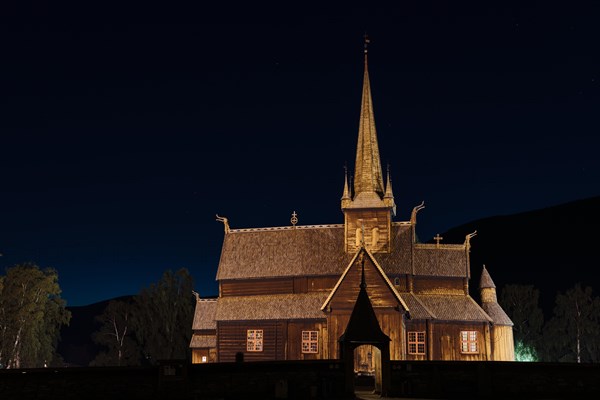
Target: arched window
359	237
374	237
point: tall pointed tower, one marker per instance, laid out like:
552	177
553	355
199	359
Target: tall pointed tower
368	209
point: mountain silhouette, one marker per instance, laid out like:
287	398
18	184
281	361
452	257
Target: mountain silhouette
76	345
551	248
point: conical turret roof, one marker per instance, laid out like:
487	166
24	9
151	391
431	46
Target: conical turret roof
486	280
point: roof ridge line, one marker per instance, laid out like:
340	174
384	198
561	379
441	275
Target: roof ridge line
285	228
449	246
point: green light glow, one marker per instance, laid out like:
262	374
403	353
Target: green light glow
525	352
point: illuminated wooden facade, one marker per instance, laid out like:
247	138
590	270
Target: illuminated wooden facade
286	293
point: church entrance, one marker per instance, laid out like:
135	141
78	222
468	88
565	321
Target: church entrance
367	367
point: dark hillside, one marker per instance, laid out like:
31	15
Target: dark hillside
551	248
76	345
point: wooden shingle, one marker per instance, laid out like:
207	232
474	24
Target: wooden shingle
204	315
271	307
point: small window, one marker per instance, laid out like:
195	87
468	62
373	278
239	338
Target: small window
204	359
254	340
396	281
468	342
359	237
374	237
416	342
310	341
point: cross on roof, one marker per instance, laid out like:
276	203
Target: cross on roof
437	239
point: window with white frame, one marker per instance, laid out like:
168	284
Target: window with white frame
310	341
416	342
468	342
254	340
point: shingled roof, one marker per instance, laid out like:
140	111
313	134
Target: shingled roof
284	306
453	308
202	341
204	315
486	280
497	314
417	309
445	260
319	250
301	251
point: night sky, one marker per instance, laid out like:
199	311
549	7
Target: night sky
125	129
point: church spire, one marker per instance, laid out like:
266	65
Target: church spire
369	208
367	175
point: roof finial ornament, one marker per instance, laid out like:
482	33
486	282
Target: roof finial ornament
225	222
294	219
437	239
413	216
367	41
468	240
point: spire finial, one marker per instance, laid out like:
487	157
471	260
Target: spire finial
367	41
346	194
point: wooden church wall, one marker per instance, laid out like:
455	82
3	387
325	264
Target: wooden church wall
294	344
418	326
365	221
232	336
438	285
281	340
503	346
390	321
336	326
379	293
252	287
447	342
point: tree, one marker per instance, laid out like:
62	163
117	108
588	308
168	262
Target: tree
116	335
521	303
31	314
572	333
163	316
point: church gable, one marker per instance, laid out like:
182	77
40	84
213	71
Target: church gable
379	289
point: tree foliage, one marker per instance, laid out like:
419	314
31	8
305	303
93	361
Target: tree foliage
163	317
31	314
524	352
116	335
573	333
521	303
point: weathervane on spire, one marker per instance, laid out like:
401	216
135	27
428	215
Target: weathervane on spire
367	41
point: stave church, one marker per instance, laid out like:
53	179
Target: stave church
302	292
